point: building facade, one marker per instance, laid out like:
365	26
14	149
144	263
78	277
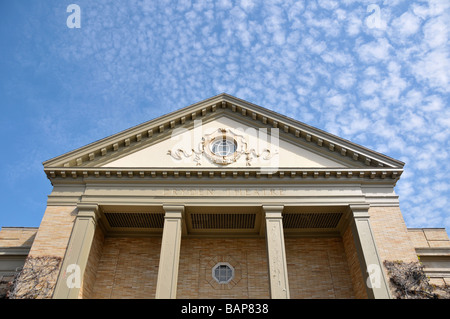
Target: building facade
15	245
226	199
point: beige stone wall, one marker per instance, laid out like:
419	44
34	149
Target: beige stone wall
318	268
198	257
391	235
52	238
17	236
127	268
436	265
89	278
359	286
429	237
54	231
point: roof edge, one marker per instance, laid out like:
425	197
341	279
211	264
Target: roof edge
238	106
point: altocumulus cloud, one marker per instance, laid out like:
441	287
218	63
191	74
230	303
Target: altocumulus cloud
383	85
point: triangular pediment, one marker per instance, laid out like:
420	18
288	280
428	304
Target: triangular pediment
252	147
184	138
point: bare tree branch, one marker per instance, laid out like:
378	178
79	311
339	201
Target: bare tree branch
36	280
409	281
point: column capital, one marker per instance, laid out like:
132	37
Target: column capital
173	212
359	210
273	208
88	210
173	208
273	211
359	207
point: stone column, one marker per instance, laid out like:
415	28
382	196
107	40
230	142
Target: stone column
369	260
77	253
166	287
278	276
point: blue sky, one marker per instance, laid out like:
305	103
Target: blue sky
373	72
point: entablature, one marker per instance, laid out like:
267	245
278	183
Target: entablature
202	175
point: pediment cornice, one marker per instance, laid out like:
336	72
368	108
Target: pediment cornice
204	175
130	140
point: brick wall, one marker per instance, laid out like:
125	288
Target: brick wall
391	235
127	268
20	237
247	256
429	237
436	265
54	232
17	236
90	274
318	268
52	237
359	286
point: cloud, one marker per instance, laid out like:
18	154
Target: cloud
318	61
224	4
345	80
374	51
436	32
247	5
354	25
431	8
433	70
406	25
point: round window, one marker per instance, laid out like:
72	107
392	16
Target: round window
223	273
223	146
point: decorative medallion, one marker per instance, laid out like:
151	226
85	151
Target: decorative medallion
223	147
